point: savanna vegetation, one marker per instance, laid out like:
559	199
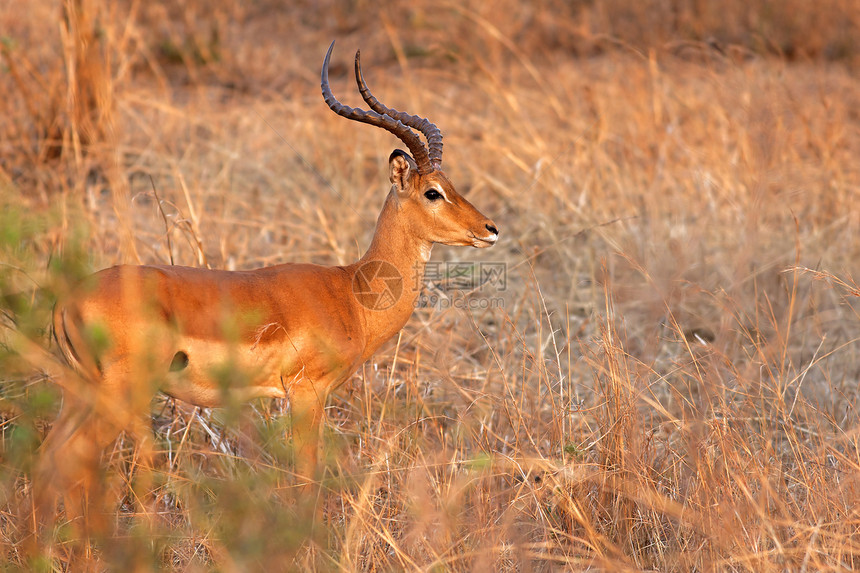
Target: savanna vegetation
666	376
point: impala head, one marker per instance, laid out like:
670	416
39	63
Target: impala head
426	197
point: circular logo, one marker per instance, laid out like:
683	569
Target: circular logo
377	285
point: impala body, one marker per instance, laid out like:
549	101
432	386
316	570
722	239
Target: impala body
210	337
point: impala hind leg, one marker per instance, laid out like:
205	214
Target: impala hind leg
71	458
70	468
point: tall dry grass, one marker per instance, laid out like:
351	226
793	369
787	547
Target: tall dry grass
672	380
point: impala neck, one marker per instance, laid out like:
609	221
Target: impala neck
394	242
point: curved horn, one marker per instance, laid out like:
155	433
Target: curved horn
430	131
387	122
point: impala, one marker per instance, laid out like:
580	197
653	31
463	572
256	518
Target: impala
210	337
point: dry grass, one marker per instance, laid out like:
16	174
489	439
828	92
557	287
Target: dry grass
672	381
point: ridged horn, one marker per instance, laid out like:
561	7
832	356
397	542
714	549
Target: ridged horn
430	131
385	121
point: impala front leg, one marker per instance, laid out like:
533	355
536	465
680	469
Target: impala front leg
307	404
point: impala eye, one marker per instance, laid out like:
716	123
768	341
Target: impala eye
432	195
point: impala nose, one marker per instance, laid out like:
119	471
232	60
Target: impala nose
487	240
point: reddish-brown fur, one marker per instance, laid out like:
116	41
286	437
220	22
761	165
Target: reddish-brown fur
294	330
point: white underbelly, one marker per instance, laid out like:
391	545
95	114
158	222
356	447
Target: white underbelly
212	373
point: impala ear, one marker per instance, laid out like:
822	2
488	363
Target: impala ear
401	167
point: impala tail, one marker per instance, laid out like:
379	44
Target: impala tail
72	344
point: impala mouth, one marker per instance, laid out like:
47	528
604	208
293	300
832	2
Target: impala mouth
484	242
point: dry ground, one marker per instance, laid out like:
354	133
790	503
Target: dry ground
667	378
